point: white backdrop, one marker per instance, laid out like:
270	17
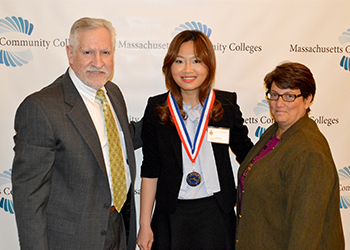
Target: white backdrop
250	39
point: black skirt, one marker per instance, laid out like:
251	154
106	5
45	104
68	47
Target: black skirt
198	224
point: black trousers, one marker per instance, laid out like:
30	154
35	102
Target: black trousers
196	224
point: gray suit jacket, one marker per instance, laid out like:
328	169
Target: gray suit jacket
61	193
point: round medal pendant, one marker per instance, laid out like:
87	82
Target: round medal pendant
193	179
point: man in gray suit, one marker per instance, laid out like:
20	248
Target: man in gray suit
61	176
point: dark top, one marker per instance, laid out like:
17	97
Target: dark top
162	152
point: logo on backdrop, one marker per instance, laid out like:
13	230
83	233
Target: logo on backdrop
192	26
264	121
161	45
15	25
344	186
17	42
219	47
6	202
344	39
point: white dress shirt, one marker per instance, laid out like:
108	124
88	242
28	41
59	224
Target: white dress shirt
95	110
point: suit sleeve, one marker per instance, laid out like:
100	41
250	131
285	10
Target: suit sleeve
31	173
151	163
240	143
135	132
312	186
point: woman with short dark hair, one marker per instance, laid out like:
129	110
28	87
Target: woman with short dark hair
288	194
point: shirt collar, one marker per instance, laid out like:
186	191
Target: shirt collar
193	113
82	88
188	107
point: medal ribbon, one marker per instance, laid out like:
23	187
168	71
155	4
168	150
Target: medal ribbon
192	150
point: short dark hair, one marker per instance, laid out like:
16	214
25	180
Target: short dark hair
292	75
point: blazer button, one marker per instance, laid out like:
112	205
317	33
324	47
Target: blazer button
106	206
236	241
103	232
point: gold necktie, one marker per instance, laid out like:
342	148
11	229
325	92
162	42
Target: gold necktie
116	161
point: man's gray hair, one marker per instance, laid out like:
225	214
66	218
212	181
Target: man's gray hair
87	23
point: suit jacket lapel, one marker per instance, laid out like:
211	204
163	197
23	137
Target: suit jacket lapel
118	110
176	144
82	120
257	148
124	123
216	147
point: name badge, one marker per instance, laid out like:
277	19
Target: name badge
218	135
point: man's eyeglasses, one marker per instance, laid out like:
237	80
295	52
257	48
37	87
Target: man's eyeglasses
286	97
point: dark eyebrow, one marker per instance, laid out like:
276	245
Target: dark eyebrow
287	93
194	57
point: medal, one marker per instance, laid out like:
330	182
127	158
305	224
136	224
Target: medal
193	179
192	149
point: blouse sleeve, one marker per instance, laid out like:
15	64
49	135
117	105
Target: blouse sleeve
240	143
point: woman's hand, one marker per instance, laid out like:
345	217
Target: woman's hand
145	238
148	195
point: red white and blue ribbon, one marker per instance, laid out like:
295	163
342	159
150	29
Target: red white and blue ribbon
191	148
